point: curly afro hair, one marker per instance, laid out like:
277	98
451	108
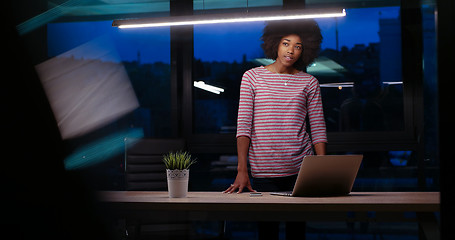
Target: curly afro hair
307	29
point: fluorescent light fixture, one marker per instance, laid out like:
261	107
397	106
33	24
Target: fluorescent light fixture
229	18
339	85
393	83
207	87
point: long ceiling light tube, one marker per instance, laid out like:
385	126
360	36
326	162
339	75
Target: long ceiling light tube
229	18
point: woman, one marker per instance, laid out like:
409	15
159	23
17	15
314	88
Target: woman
274	102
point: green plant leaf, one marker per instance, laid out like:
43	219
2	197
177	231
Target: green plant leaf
178	160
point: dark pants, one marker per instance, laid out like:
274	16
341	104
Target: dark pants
270	230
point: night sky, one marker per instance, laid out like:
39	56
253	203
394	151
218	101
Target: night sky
220	42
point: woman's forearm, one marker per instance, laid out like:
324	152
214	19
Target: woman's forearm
320	148
242	180
243	144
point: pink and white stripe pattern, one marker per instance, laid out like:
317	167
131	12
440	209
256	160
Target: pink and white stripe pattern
272	115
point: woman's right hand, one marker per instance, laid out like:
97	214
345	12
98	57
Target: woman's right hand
241	181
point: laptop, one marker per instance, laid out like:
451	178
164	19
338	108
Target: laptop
327	175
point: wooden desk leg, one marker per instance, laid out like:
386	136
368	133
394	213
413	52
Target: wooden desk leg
428	226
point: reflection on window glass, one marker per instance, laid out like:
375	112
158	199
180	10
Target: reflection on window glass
222	53
359	70
145	55
380	171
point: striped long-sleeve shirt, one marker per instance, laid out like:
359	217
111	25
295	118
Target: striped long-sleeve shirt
272	115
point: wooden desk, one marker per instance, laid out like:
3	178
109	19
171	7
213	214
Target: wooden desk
388	206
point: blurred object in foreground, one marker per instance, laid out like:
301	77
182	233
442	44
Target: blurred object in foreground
101	149
87	87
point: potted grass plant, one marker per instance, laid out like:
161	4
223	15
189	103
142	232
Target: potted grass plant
177	169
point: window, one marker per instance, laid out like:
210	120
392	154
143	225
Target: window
145	55
359	70
222	53
369	94
371	102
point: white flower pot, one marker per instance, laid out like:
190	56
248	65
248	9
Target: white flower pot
177	182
